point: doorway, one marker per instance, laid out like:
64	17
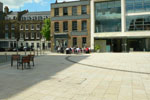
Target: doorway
117	45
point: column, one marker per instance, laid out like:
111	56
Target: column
92	24
123	15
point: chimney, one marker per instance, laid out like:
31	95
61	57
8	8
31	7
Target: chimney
56	1
6	10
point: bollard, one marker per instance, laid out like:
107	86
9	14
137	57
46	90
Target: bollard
30	51
6	56
25	52
37	52
34	52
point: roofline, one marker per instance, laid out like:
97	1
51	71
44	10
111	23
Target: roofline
65	2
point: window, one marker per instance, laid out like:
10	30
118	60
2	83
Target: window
24	18
26	35
38	45
74	41
39	17
74	26
84	25
137	6
32	27
56	11
21	44
21	35
6	27
65	26
38	35
27	44
37	27
108	16
32	45
49	45
83	41
6	35
27	27
35	18
139	22
12	26
84	10
32	35
56	26
21	27
28	18
14	18
12	35
74	11
65	11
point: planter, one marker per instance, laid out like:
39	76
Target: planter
98	51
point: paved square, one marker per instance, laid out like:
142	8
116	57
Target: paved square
104	76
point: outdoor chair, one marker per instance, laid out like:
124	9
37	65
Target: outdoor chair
15	58
31	58
25	60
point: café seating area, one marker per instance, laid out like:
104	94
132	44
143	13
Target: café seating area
23	61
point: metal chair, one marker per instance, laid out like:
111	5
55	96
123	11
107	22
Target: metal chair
31	58
25	60
15	58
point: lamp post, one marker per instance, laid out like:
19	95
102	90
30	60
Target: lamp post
17	44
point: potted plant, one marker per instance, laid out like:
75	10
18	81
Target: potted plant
97	48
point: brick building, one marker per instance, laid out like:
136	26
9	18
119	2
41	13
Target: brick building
1	16
70	24
22	29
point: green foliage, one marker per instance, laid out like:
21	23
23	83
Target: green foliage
97	47
46	29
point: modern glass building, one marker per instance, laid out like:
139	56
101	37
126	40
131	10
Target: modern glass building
120	25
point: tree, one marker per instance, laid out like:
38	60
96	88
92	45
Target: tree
46	29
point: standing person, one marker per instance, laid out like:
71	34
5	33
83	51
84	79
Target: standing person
58	49
78	49
62	50
70	50
87	50
67	50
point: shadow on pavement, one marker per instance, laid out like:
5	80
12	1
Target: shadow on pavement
13	81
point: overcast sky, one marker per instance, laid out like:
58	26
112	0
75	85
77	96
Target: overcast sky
31	5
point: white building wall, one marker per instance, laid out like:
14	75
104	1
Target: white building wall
123	33
92	23
123	16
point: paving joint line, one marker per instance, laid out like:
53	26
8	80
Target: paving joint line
100	67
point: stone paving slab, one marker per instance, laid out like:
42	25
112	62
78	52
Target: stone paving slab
55	78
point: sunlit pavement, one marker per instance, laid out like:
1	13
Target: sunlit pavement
103	76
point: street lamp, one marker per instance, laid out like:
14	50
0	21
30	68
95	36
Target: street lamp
17	43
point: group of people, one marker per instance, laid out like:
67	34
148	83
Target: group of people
73	50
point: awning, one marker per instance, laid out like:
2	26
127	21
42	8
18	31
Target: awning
60	35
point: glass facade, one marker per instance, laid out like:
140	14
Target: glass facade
135	23
108	16
137	6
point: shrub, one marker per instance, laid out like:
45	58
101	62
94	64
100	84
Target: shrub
97	47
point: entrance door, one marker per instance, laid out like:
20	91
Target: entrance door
117	45
61	43
43	46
